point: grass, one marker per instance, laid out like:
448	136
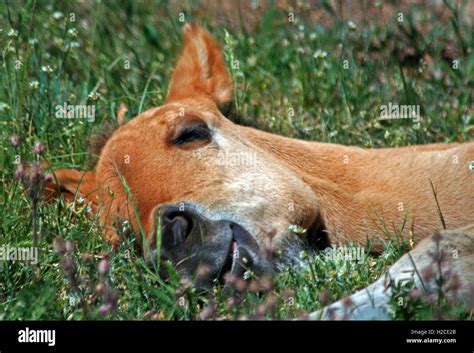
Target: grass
298	79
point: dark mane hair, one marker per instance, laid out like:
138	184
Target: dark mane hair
97	141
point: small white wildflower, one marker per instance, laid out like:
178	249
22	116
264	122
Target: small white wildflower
320	54
73	45
72	32
296	229
352	26
94	96
125	226
34	84
312	36
12	33
4	106
46	68
248	275
32	41
57	15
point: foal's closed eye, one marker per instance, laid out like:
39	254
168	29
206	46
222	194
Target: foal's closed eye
192	134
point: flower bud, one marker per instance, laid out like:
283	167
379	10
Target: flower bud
38	148
103	266
15	141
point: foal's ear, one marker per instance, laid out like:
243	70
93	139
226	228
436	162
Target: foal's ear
201	69
73	184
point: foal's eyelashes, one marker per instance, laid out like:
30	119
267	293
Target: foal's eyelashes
192	133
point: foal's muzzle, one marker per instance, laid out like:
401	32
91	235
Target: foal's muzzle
205	250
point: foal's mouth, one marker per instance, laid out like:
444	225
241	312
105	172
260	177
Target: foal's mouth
243	257
208	251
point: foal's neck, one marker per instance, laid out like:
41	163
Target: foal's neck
326	161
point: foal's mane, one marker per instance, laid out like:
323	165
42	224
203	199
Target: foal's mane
99	138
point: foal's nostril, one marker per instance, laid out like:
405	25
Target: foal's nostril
176	226
181	228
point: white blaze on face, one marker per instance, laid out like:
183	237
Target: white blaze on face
253	190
